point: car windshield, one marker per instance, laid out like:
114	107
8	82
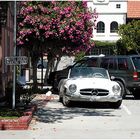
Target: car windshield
88	72
136	61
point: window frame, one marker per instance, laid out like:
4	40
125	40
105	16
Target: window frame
118	6
100	27
114	27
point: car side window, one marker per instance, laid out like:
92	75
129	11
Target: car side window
87	63
136	61
92	62
122	64
112	64
104	63
109	63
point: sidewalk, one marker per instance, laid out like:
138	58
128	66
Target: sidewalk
41	100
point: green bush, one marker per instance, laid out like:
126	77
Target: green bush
6	112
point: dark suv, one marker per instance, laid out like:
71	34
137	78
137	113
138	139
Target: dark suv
124	68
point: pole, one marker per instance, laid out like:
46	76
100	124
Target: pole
41	68
14	66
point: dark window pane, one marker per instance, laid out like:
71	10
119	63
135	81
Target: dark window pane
100	27
118	6
114	27
136	61
122	64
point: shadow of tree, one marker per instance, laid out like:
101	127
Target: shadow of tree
58	114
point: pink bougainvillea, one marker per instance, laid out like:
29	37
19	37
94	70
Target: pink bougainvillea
68	24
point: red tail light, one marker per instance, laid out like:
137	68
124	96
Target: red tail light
135	76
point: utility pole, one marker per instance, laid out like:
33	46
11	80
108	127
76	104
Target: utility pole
14	66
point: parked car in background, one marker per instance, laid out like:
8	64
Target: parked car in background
126	71
89	84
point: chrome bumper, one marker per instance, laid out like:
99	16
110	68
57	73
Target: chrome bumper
108	98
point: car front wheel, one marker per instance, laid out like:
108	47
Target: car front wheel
66	101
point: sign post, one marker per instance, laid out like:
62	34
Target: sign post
15	60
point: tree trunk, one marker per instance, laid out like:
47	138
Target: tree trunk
34	59
34	65
50	66
58	60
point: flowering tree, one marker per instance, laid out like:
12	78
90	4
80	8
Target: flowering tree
57	27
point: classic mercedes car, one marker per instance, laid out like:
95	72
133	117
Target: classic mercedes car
90	84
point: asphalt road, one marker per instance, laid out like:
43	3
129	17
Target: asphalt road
82	121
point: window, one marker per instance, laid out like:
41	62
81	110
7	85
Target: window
136	61
104	63
122	64
113	27
109	63
100	27
118	6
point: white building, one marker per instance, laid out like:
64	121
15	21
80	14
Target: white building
111	14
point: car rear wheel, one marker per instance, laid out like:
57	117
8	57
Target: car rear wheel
115	105
66	101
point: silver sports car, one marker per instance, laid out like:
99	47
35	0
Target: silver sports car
90	84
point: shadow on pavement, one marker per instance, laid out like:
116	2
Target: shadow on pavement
60	113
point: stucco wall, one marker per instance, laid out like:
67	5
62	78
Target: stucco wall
107	13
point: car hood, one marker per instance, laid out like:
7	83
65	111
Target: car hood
91	83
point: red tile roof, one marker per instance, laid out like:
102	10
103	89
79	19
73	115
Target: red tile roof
133	9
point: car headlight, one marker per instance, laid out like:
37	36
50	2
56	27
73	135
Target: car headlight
116	89
72	88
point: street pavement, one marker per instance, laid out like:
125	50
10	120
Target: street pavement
54	121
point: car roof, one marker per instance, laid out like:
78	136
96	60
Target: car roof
122	56
90	56
102	55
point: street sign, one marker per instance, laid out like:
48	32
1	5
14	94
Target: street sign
16	60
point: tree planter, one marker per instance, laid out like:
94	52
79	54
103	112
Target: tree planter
20	123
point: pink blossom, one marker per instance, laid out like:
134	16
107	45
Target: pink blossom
65	22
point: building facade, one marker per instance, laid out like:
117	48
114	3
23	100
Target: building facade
6	43
111	14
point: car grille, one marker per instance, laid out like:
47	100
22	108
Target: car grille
96	92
